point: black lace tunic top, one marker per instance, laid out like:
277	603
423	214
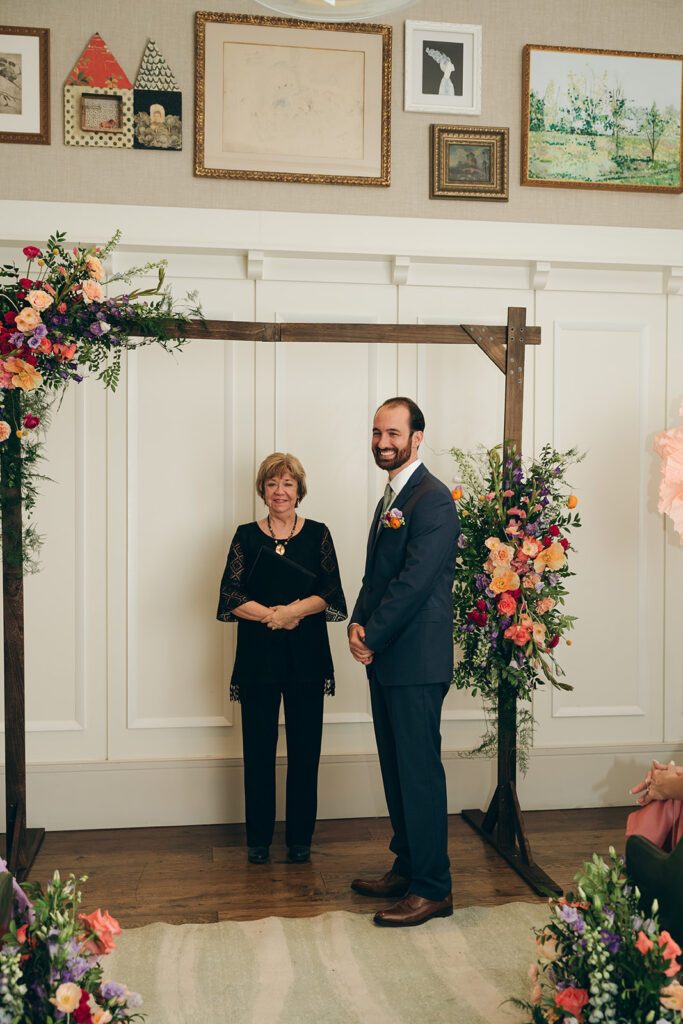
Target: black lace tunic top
302	654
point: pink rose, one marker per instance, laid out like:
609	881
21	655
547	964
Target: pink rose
502	555
102	928
545	605
31	422
5	430
31	252
92	291
572	1000
507	604
27	320
61	308
39	300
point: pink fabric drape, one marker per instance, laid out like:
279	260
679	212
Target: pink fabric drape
660	821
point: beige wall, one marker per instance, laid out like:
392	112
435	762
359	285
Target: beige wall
73	174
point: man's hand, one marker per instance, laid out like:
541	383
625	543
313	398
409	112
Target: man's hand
357	645
283	616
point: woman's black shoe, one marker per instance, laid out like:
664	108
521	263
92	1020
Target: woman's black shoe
258	854
299	854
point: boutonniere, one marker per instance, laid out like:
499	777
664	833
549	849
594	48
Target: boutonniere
392	519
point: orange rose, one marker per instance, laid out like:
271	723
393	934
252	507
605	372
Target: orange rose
456	493
507	604
92	291
518	634
45	345
27	320
395	523
102	928
572	501
39	300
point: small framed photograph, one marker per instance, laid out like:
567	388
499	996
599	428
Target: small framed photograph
25	85
101	113
284	100
443	67
469	163
602	119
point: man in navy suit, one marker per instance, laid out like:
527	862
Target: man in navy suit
402	631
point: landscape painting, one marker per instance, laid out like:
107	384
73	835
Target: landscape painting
602	119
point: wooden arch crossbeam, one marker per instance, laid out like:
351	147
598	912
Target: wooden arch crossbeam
505	346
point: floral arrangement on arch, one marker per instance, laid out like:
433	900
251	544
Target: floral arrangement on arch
51	957
57	324
601	959
510	580
669	445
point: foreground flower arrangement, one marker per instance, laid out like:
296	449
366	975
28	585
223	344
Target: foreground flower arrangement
57	324
600	959
50	958
510	584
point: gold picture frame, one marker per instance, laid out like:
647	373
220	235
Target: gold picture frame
25	71
282	99
602	119
469	163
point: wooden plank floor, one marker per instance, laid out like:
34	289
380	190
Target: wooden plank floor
201	874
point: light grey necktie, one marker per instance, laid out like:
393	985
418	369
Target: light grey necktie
386	502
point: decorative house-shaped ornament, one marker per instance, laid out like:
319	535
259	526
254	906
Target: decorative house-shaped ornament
157	104
98	100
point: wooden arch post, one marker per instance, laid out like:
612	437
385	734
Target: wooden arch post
502	825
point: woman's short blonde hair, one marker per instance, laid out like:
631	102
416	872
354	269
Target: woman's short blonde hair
278	464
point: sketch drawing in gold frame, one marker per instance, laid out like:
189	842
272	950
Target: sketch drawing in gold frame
280	99
469	163
602	119
25	81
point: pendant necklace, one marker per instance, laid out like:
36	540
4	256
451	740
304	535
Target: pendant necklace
280	545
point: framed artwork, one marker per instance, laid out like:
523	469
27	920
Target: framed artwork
602	119
101	113
98	100
469	163
443	67
284	100
24	84
157	104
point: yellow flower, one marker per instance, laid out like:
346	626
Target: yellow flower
55	252
504	579
41	263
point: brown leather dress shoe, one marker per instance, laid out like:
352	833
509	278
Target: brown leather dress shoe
389	885
413	910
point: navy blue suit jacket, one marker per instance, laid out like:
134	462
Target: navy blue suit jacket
406	602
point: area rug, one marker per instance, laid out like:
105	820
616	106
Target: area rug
337	968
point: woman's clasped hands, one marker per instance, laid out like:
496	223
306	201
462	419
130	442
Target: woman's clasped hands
283	616
662	782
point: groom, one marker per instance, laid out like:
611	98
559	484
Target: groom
402	631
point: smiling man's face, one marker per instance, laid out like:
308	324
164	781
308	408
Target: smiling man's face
394	445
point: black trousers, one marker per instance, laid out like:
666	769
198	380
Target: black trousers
407	728
303	704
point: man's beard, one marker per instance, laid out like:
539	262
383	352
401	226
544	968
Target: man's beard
400	458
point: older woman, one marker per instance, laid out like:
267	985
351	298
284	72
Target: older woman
283	652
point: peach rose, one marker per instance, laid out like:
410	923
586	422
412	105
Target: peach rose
27	320
92	291
95	268
100	1016
501	555
489	566
525	621
547	945
5	430
518	634
532	973
24	376
507	604
103	927
545	605
39	300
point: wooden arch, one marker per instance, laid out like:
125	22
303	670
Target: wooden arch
502	825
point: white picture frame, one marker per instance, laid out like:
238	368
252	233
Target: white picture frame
448	86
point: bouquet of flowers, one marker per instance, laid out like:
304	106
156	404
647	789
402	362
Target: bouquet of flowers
512	569
57	323
600	959
50	958
669	445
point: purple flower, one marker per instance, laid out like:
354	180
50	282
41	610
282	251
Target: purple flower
508	463
505	622
557	470
628	889
77	378
568	914
610	940
517	475
481	581
637	922
96	328
33	342
489	592
134	999
469	628
112	990
17	339
40	331
544	502
462	541
553	577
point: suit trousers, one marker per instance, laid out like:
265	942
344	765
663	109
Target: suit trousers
303	704
407	727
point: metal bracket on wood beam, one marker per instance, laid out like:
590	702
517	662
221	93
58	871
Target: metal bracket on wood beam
673	281
255	260
400	268
540	274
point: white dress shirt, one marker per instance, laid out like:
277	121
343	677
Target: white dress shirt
403	476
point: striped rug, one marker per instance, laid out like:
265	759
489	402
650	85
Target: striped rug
337	968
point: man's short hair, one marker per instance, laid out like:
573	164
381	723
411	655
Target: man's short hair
417	420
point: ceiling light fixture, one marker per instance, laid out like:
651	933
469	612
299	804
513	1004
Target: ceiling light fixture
336	10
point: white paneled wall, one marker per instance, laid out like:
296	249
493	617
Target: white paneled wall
127	668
